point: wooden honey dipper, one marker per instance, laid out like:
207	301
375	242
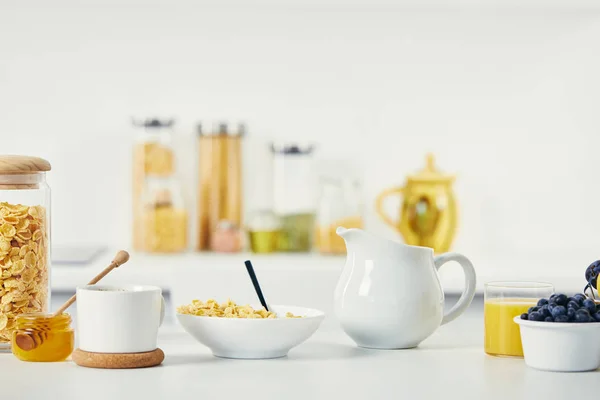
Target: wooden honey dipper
27	342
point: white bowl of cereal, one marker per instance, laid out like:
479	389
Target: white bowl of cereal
248	332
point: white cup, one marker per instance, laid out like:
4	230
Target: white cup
119	319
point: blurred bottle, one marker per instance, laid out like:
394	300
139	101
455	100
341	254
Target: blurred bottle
263	231
294	195
220	180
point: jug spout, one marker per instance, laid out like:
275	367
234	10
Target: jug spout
341	231
344	233
349	235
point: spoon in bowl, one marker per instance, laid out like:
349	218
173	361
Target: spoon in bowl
256	285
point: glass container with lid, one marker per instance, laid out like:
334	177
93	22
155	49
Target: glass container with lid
159	213
263	231
24	241
153	155
164	220
219	179
294	195
339	205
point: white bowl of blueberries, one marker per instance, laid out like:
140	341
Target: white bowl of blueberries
562	333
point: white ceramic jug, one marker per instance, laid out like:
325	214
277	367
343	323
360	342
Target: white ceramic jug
389	295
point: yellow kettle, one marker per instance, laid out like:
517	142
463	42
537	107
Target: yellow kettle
428	216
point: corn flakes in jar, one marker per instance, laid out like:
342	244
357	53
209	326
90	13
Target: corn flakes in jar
24	241
153	156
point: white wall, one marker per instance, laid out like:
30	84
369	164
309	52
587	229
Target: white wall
506	98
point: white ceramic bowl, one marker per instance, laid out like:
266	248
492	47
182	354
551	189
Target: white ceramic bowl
563	347
253	338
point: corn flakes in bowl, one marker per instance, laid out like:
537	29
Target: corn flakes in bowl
248	331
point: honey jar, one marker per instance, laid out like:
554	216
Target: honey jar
43	337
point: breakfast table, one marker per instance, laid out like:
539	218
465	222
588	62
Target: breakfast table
450	364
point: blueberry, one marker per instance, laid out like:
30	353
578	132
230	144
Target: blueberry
579	297
544	311
549	319
561	300
541	302
533	309
552	296
573	304
536	316
524	316
559	310
561	318
582	315
597	317
571	314
590	305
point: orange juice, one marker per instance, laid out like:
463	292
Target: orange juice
502	336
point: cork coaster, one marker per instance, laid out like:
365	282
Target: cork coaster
118	360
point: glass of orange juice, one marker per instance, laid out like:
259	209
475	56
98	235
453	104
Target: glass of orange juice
502	302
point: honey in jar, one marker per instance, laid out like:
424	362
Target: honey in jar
43	337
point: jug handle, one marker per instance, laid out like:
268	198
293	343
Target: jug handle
470	281
379	204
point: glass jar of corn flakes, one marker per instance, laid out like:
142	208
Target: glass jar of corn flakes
164	216
24	241
153	159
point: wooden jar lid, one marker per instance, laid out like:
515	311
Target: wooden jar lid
21	165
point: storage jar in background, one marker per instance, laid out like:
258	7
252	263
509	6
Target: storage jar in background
339	205
294	195
159	213
164	221
227	238
24	241
263	231
220	180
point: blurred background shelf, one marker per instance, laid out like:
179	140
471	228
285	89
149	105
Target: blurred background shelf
162	269
179	272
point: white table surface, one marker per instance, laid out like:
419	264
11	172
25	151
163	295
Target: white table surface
449	365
